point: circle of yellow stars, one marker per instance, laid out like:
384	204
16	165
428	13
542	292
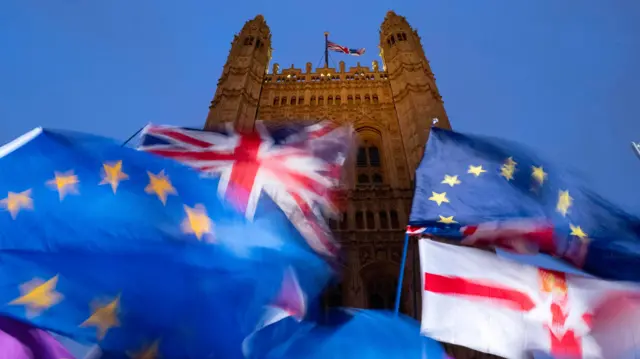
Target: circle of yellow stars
38	295
507	171
196	222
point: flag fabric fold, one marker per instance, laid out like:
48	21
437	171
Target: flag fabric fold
297	166
478	300
138	253
346	333
484	191
345	50
21	341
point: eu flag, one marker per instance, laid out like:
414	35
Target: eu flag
488	191
137	253
346	333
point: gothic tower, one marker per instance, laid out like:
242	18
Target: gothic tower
238	92
413	86
391	109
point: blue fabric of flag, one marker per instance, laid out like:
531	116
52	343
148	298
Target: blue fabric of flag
466	180
346	333
110	245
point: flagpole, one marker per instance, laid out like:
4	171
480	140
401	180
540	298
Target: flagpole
396	308
326	49
636	148
403	262
133	136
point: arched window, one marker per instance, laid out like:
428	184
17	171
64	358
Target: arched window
395	222
369	169
359	220
371	222
300	100
381	292
284	101
358	99
338	99
363	178
276	101
320	100
384	220
375	98
367	99
330	100
248	40
350	99
313	100
293	100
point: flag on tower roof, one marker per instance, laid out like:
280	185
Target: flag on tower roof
486	191
343	49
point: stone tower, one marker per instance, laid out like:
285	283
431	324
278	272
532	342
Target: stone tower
413	85
390	107
238	91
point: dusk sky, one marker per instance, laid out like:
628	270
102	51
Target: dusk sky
559	76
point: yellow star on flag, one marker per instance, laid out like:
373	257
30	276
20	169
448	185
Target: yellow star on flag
17	201
451	180
37	295
507	171
65	183
538	174
476	170
439	198
197	221
112	174
149	352
564	202
577	231
104	317
160	186
446	220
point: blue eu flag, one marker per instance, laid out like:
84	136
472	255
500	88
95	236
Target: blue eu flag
137	253
488	191
347	333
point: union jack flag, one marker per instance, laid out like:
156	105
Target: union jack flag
345	50
297	167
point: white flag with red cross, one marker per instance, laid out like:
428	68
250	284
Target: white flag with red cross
478	300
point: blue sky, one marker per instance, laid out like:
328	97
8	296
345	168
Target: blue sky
558	76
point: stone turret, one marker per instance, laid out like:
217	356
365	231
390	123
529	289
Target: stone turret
238	92
413	85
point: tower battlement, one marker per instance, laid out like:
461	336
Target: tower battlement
356	73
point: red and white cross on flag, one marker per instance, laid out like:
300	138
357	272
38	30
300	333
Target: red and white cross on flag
478	300
295	174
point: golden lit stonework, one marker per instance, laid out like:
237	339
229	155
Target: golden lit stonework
38	295
15	202
112	175
65	183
